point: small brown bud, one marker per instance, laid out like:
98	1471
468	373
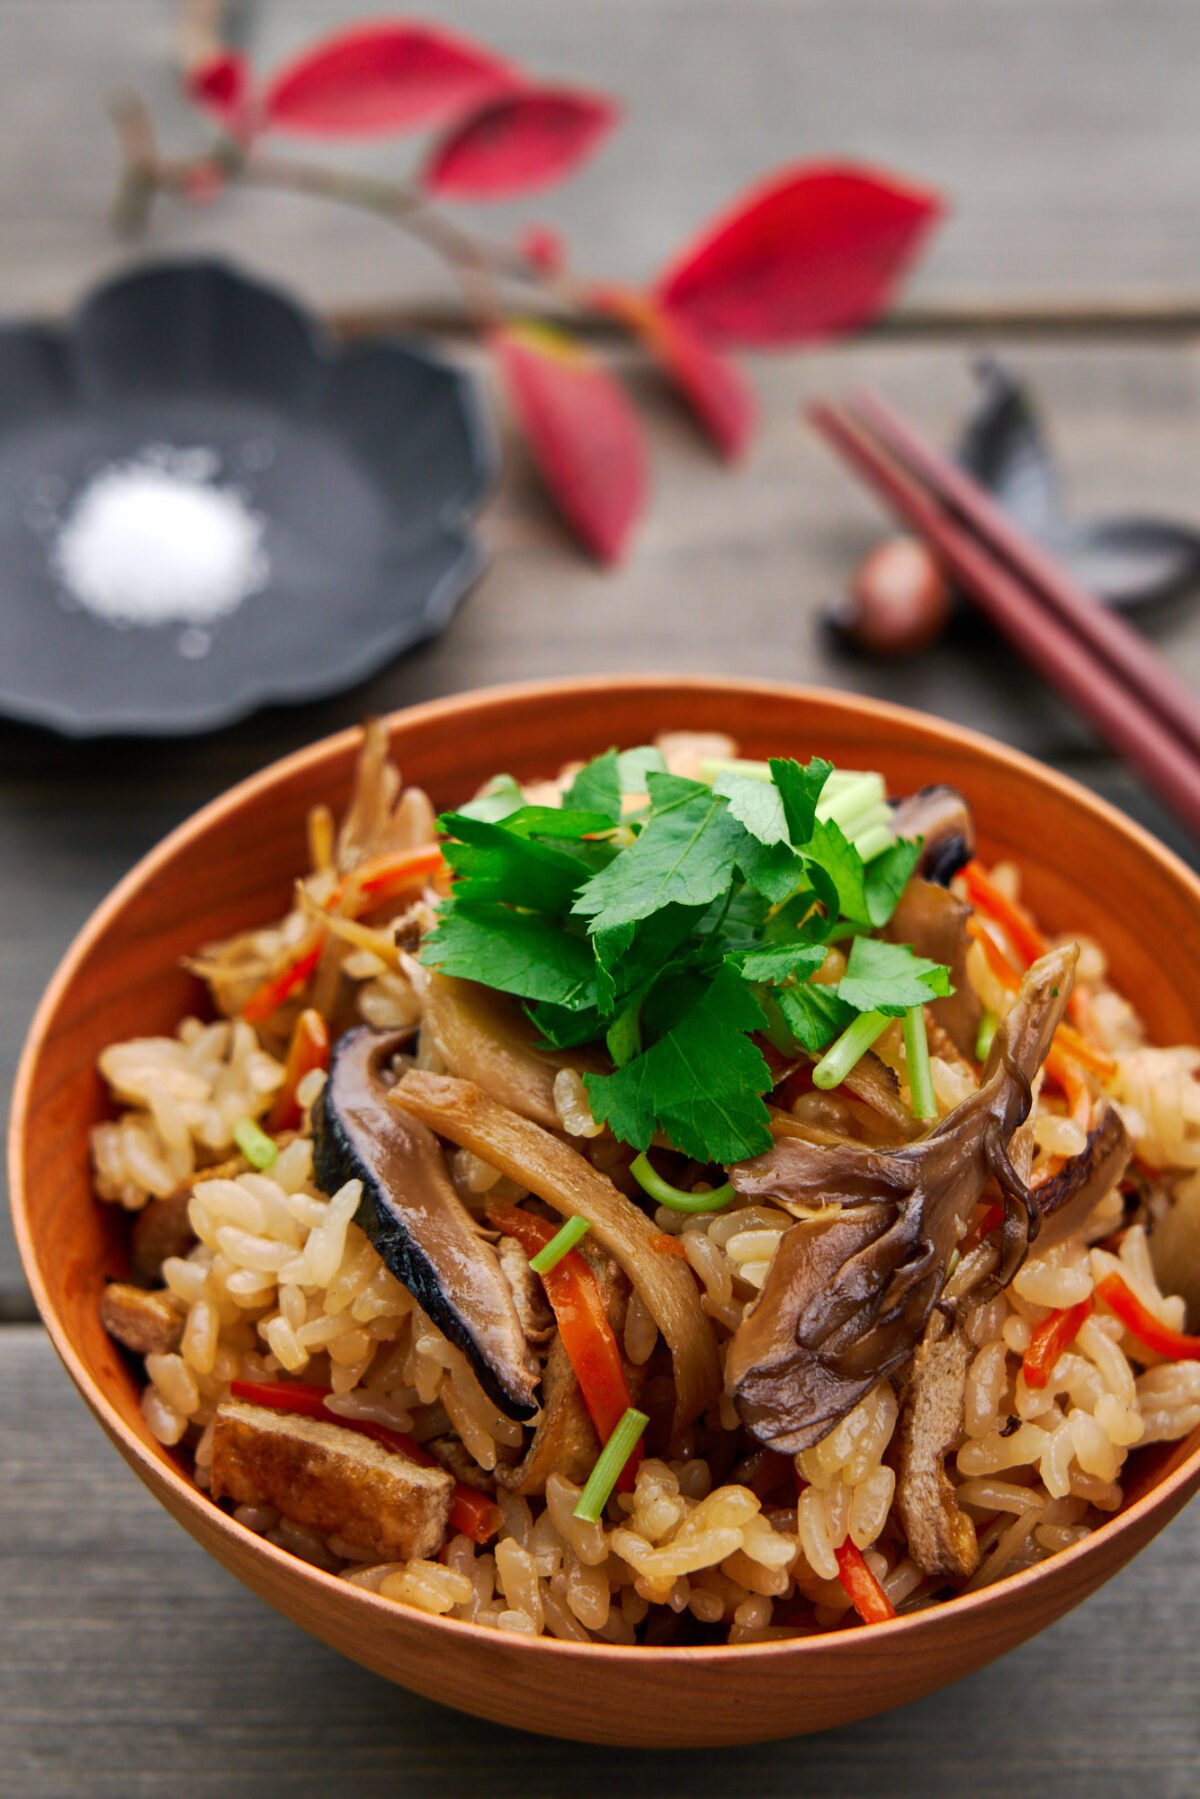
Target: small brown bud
899	600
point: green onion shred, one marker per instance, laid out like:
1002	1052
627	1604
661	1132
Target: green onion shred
255	1145
613	1457
651	1182
560	1244
916	1050
849	1049
987	1030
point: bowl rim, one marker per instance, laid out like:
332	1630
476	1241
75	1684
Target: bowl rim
189	1498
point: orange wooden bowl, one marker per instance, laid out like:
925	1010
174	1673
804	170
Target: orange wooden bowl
1084	866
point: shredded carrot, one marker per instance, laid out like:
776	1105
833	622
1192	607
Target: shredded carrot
667	1245
308	1049
990	1218
1052	1337
997	961
1027	941
1068	1077
382	877
584	1329
866	1595
268	998
1140	1322
1074	1044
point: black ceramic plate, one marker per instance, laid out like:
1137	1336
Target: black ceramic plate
365	466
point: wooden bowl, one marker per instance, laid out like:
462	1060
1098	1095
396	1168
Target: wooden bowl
232	865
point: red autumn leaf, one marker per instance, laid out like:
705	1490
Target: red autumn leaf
816	251
582	431
383	77
221	86
517	142
709	384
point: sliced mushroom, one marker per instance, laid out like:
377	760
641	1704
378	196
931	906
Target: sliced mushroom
1067	1201
483	1036
941	1538
537	1320
943	819
849	1294
415	1219
934	922
559	1175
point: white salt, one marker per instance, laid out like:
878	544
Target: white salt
155	540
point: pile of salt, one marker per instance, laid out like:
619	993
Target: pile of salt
154	541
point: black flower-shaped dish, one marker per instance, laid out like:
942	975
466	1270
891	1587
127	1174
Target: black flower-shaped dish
358	469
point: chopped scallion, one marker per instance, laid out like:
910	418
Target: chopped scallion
874	840
255	1145
651	1182
916	1050
613	1457
987	1030
848	1049
560	1244
859	799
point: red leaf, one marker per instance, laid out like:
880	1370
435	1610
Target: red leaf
221	86
383	77
712	388
816	251
517	142
583	433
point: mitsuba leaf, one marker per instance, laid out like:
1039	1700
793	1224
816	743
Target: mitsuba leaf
516	952
597	787
756	804
701	1083
779	962
831	854
500	798
800	786
582	432
383	77
887	877
685	855
773	869
816	250
518	142
494	863
889	978
812	1015
564	1027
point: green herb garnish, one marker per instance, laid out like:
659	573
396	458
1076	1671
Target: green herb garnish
258	1149
682	934
650	1181
561	1244
604	1476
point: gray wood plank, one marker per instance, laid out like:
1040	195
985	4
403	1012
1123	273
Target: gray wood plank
730	575
1064	131
132	1664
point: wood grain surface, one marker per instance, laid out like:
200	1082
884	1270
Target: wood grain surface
132	1664
1065	133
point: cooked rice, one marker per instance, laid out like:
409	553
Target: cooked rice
281	1281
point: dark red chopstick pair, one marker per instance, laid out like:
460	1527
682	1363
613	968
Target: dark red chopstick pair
1089	654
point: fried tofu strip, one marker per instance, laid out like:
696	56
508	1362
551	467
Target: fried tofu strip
335	1481
147	1323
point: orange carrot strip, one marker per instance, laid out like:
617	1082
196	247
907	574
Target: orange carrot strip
308	1049
1141	1323
986	897
1075	1045
1052	1336
268	998
866	1595
587	1336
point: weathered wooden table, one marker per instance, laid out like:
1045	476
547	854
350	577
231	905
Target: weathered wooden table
1067	134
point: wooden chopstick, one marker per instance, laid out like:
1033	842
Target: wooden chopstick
1068	662
1130	656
